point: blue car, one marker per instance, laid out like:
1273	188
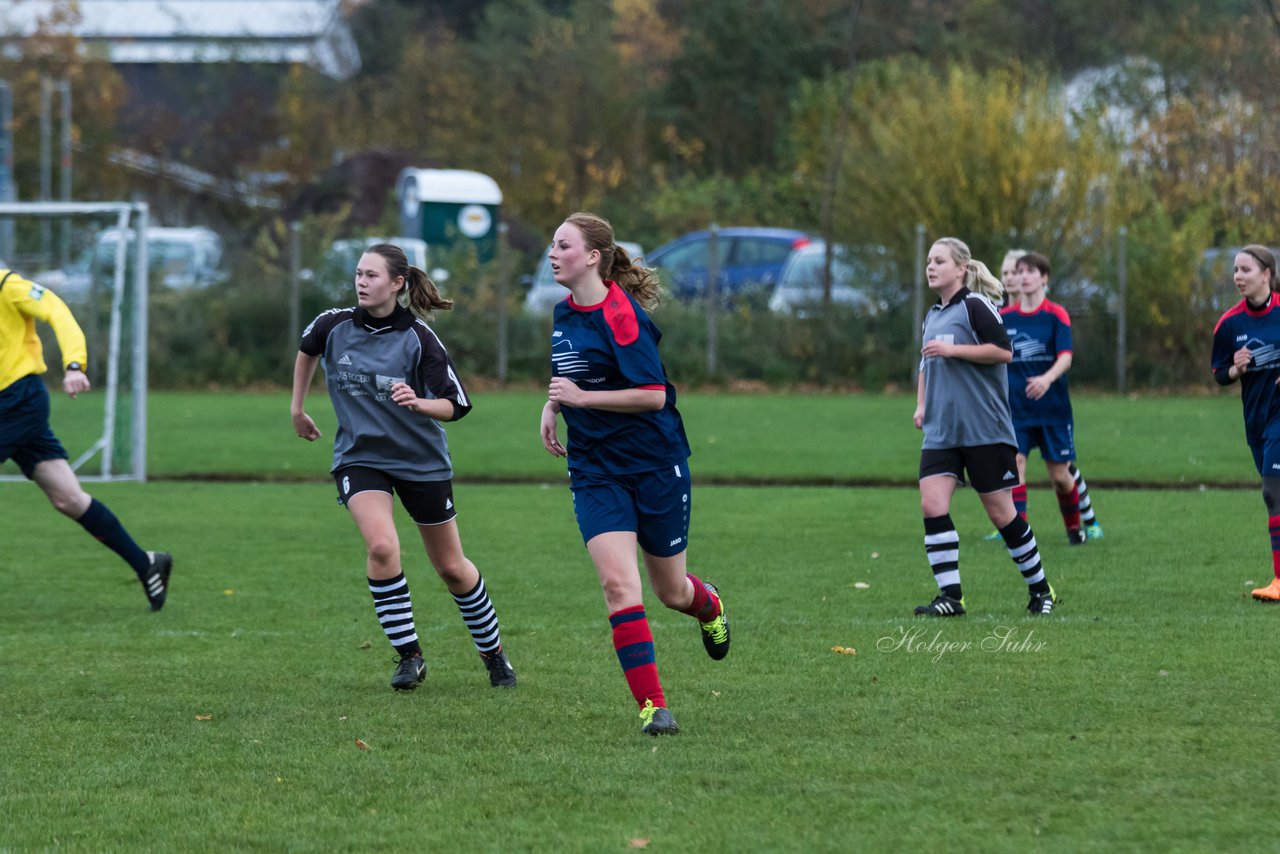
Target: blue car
750	260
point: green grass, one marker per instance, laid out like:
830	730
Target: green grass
1138	717
736	438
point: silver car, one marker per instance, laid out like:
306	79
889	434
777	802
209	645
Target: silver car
863	278
545	291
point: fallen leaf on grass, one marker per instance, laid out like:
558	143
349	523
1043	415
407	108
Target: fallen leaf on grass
228	592
343	718
715	693
638	843
360	744
365	645
875	555
204	717
844	650
861	585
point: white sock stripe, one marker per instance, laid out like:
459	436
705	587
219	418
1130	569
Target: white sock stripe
398	608
485	641
377	589
951	556
1035	579
938	539
948	578
485	607
1019	551
477	595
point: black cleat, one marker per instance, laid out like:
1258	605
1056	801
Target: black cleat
501	673
657	720
1041	604
942	606
156	582
715	634
410	671
1077	536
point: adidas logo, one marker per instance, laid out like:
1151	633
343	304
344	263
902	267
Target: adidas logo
344	359
448	504
1008	475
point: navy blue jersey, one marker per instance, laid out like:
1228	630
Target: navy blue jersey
1038	337
1240	327
606	347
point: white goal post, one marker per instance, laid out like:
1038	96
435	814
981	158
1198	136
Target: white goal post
130	218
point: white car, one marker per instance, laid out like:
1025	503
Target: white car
181	258
864	278
545	291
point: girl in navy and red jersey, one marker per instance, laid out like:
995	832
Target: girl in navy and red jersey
1039	398
627	451
1246	347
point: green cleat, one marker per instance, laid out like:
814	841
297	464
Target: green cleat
1041	604
715	634
657	720
1093	531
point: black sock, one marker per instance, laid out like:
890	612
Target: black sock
395	612
1021	543
103	525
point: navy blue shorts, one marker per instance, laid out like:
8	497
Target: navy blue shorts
1056	444
653	504
428	502
25	435
1267	457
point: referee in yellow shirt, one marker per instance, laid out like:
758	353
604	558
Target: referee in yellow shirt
25	435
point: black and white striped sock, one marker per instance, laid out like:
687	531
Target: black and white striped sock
395	612
482	621
942	546
1021	543
1087	516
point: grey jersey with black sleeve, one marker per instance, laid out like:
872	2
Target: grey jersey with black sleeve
965	403
362	357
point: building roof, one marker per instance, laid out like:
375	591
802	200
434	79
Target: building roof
312	32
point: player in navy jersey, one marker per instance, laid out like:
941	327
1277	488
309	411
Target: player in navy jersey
392	383
962	405
1246	347
1011	278
627	452
1039	398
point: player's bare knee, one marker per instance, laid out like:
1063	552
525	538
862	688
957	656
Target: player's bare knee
383	551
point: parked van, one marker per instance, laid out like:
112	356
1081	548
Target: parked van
178	258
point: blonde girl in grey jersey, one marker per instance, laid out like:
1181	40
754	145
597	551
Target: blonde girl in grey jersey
962	405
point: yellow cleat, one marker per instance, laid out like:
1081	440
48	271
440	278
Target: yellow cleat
1270	593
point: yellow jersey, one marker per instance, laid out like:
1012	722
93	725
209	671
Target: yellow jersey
22	303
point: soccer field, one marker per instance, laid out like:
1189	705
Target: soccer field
1129	719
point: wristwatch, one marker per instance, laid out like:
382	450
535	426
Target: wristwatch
75	366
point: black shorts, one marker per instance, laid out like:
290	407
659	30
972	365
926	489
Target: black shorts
990	468
25	435
428	502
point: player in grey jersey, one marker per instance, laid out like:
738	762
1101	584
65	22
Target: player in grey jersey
392	384
962	405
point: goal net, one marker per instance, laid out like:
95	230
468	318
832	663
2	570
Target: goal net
94	256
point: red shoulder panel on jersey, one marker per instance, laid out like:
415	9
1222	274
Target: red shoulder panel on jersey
1238	308
620	314
1057	311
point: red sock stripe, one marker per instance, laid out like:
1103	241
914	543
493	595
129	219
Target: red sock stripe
1069	507
633	641
705	606
1020	499
1273	527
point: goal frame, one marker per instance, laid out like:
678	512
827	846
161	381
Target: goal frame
129	216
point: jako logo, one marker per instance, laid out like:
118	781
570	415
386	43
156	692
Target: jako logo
675	542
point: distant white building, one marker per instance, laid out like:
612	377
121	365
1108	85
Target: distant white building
146	32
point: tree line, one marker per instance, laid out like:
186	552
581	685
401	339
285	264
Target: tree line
1026	123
